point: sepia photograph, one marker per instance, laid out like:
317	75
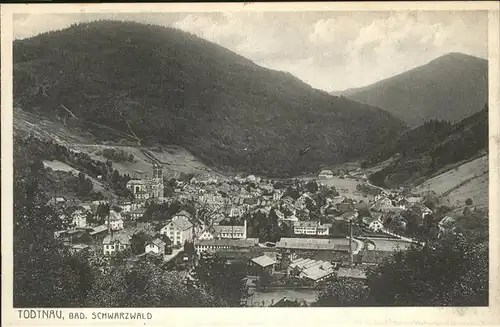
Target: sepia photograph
249	159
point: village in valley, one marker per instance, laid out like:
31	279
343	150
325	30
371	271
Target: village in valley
192	159
292	234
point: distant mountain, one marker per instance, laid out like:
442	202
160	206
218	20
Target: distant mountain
430	149
450	88
161	85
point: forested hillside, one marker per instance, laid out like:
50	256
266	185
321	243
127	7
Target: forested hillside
430	148
161	85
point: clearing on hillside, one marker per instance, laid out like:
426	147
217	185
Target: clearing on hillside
453	187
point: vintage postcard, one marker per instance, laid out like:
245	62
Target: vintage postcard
255	164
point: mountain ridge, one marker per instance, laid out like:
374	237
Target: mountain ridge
450	87
162	85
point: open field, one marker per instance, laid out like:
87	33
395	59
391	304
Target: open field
347	187
26	123
469	180
380	166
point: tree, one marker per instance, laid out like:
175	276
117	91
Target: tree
189	248
138	242
83	185
312	187
43	274
341	292
286	230
145	285
468	202
102	212
292	192
451	272
224	280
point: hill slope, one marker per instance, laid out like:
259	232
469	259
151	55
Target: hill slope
430	149
450	88
467	181
175	160
163	85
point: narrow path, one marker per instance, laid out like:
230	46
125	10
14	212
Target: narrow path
468	180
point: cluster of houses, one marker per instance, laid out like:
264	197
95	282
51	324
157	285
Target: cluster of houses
219	224
228	200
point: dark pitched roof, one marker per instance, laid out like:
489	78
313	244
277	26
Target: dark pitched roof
183	213
99	229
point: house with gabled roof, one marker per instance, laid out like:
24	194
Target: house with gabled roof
224	244
57	201
115	242
263	263
446	225
156	246
78	217
179	230
224	232
372	223
349	215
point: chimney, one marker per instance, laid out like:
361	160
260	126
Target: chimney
351	256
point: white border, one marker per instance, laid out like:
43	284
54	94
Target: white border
260	316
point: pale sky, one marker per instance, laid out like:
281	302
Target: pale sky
329	50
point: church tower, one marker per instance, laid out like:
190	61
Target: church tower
157	181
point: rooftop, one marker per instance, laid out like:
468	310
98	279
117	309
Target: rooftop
99	229
183	213
218	229
248	242
135	182
336	244
351	273
79	246
113	215
338	199
158	242
182	222
317	272
264	261
117	237
306	224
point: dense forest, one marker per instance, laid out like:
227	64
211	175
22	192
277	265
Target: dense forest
49	150
162	85
428	148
